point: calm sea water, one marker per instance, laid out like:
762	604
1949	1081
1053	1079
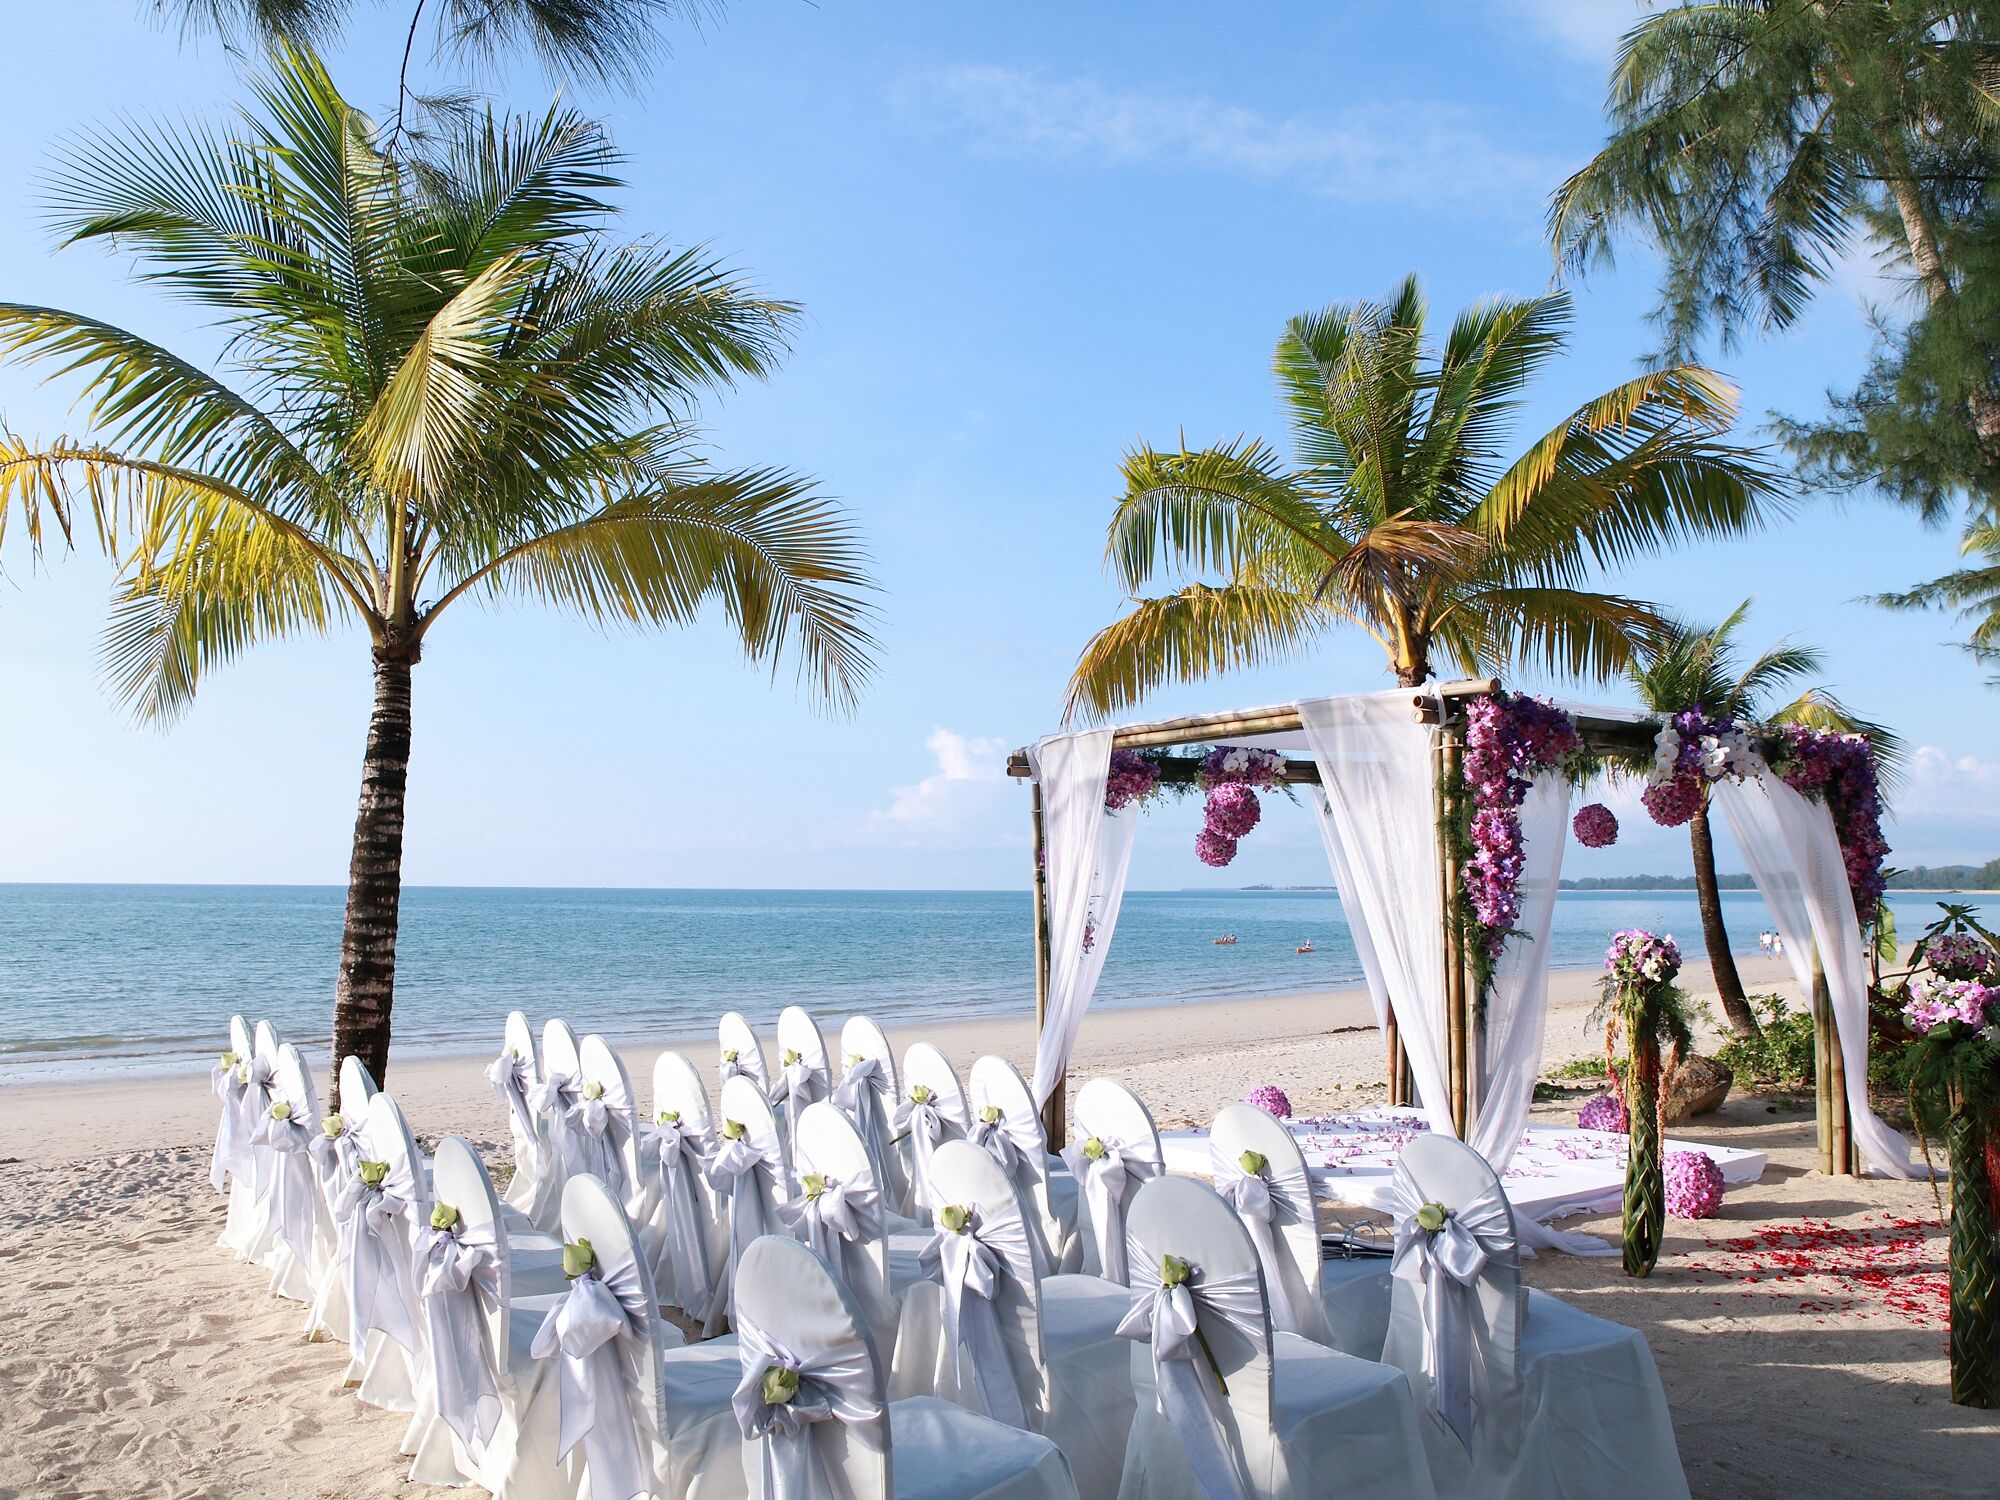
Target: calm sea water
114	977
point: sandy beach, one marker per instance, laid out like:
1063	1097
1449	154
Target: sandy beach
1800	1335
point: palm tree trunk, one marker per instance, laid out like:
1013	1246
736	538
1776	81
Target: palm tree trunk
366	988
1721	962
1925	257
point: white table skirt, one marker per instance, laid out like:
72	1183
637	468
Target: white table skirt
1558	1170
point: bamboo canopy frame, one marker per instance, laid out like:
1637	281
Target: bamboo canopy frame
1602	732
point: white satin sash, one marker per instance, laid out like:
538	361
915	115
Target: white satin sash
458	1280
372	1251
601	1310
1266	1202
745	1171
863	1096
594	1136
1189	1392
838	1215
550	1097
972	1266
752	1069
926	1125
293	1182
232	1145
836	1384
800	1082
680	1152
512	1076
1106	1184
1447	1266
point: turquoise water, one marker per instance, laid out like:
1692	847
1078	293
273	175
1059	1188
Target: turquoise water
114	976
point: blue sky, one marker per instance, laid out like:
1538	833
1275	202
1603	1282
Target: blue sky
1026	237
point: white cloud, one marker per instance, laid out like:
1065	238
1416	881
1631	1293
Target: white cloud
1940	783
1413	151
959	805
1586	29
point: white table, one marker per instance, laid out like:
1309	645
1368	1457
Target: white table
1558	1170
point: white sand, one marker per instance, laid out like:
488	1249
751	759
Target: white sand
137	1359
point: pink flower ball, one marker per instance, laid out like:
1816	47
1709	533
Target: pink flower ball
1595	826
1694	1185
1213	848
1271	1099
1673	802
1233	809
1604	1112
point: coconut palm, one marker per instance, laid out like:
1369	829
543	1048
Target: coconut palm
1401	515
1686	667
453	386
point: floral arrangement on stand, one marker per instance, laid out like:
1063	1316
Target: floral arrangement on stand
1604	1112
1647	1008
1510	739
1271	1099
1694	1185
1954	1088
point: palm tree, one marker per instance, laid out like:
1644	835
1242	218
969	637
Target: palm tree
455	387
1751	140
1401	515
1972	592
1684	668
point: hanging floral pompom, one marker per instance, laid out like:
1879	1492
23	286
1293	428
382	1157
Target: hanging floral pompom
1674	801
1233	810
1213	848
1271	1099
1595	826
1694	1185
1604	1112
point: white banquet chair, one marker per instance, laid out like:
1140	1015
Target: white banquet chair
604	1342
259	1077
804	1076
357	1086
748	1170
1343	1303
375	1223
554	1091
931	1111
839	1209
867	1094
1117	1148
477	1379
603	1124
990	1332
741	1051
1007	1125
229	1165
1274	1416
801	1321
684	1222
513	1075
1549	1400
299	1234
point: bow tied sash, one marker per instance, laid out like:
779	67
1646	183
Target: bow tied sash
1106	1182
1189	1390
333	1159
372	1253
926	1125
836	1384
800	1082
457	1273
750	1067
512	1077
594	1131
745	1171
232	1143
293	1182
1012	1140
1266	1202
1446	1267
864	1096
973	1266
604	1314
679	1150
841	1213
550	1097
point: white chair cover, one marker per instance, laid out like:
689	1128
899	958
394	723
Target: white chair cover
748	1172
1227	1409
300	1242
675	1147
376	1226
742	1052
804	1076
838	1211
603	1130
931	1111
1117	1148
1276	1206
1006	1124
1532	1398
550	1097
604	1338
867	1095
513	1075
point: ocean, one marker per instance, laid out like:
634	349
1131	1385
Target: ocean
99	979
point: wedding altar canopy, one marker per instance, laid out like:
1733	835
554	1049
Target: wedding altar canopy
1381	772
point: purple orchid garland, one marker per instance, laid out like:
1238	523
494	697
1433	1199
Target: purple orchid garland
1509	740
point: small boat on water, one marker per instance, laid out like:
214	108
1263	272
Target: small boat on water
1225	940
1305	947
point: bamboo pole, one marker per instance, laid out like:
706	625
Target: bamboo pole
1054	1113
1392	1040
1447	774
1822	1014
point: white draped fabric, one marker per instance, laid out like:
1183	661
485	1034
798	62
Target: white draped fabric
1380	825
1087	852
1794	856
